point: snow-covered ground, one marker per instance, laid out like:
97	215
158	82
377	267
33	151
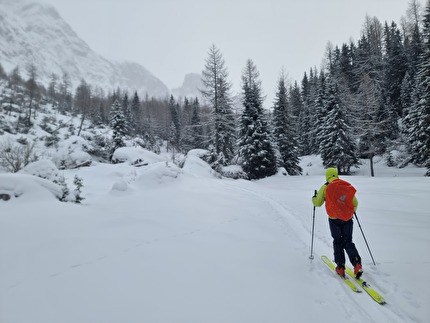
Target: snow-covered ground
158	243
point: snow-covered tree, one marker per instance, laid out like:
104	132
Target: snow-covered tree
336	145
256	152
395	67
320	112
175	130
126	108
118	125
78	190
217	92
283	131
422	132
136	116
193	131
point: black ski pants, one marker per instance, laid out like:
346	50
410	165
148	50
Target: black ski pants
341	231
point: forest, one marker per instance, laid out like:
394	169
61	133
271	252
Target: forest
371	97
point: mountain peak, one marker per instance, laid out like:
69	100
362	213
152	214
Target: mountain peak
190	86
35	34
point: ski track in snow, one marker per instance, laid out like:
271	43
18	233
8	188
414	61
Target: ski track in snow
289	221
296	230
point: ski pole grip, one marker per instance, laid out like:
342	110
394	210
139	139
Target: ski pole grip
315	193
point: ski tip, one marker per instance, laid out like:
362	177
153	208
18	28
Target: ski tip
381	301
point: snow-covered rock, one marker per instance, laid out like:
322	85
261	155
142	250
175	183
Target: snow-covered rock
28	187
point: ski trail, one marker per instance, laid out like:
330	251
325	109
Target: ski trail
289	220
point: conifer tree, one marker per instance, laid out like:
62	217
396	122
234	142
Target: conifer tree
337	147
217	92
193	131
126	110
255	146
320	112
135	121
175	136
52	89
305	128
422	132
296	104
78	190
394	72
187	111
3	74
118	125
64	94
196	126
283	132
413	50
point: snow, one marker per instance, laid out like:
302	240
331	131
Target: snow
134	154
159	243
28	188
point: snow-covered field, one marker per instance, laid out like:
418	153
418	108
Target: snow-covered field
162	244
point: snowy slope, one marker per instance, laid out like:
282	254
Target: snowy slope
164	244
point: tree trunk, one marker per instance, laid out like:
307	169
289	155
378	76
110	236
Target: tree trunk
372	171
80	126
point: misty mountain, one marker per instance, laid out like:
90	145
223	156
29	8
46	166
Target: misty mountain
34	33
190	86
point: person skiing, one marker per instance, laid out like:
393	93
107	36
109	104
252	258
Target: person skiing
340	204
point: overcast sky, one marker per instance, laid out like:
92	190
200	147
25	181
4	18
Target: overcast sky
171	38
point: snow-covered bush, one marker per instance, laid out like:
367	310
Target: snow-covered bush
15	155
43	168
135	156
234	172
72	153
397	158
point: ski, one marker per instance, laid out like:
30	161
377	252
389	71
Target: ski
346	280
369	290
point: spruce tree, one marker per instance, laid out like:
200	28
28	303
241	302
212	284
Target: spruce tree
196	128
320	112
394	72
284	133
78	190
305	127
422	133
135	121
118	125
337	147
175	130
255	146
126	110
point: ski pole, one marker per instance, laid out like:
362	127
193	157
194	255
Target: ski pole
312	236
365	240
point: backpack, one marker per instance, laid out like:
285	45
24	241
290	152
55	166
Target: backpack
339	195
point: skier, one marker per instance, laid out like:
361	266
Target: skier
340	204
